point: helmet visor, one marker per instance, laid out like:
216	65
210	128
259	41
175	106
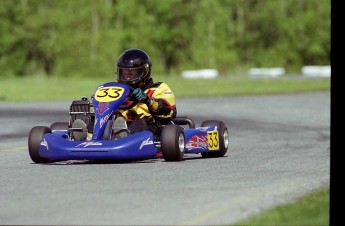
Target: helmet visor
130	75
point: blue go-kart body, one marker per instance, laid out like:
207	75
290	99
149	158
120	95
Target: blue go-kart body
136	146
57	143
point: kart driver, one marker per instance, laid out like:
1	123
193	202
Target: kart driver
156	101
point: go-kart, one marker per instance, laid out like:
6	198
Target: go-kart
64	141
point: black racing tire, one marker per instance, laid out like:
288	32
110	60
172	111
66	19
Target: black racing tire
172	143
35	138
223	139
59	126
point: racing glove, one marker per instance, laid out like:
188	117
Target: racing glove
140	95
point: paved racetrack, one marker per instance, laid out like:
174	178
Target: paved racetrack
279	151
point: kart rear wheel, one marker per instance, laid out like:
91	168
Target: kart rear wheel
59	126
35	138
172	143
223	138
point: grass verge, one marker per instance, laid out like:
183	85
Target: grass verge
67	89
312	209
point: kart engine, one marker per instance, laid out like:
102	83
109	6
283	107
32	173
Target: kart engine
83	110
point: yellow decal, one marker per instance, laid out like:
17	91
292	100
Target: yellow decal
213	140
108	94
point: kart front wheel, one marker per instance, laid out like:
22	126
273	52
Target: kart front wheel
223	138
35	138
172	143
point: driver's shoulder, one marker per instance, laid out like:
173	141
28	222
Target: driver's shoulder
156	85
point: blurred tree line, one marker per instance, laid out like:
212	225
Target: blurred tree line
85	37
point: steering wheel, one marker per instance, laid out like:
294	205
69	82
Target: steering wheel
129	103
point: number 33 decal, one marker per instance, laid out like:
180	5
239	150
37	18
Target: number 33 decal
107	94
213	140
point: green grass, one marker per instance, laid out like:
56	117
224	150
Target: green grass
38	88
312	209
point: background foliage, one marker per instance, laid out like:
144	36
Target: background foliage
85	37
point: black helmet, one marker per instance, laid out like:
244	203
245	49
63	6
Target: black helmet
133	68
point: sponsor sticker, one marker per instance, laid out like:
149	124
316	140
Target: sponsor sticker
44	143
102	107
89	143
197	141
104	120
148	141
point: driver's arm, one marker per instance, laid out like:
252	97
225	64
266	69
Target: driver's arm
162	105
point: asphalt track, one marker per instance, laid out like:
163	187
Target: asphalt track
279	151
